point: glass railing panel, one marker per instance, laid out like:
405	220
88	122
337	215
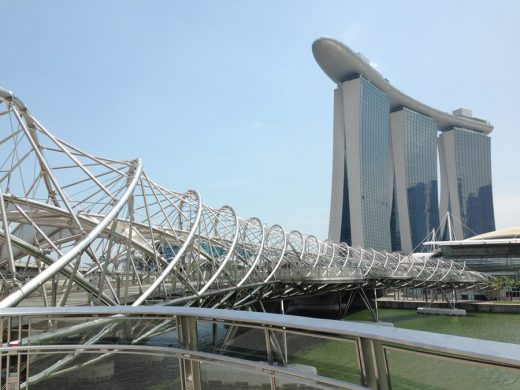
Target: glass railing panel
107	370
107	331
292	384
411	370
160	333
232	340
227	377
314	355
210	336
311	355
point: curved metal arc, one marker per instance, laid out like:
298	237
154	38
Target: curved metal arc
94	221
282	255
258	256
329	243
463	268
372	263
28	248
347	256
307	248
25	290
361	254
321	247
5	224
10	97
399	262
447	272
177	257
387	255
302	239
228	255
434	271
423	268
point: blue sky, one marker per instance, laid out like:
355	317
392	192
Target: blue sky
225	96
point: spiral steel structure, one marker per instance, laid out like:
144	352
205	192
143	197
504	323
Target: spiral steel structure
73	223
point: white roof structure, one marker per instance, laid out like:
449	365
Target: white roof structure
498	237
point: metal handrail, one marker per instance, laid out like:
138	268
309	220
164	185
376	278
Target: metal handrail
371	342
481	350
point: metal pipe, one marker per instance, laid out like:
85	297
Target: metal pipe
25	290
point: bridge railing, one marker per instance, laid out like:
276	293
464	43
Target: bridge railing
321	274
194	348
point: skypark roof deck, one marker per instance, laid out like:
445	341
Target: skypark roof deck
340	63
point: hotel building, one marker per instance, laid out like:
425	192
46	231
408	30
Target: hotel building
384	171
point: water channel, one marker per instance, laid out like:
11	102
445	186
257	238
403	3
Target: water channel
486	326
417	372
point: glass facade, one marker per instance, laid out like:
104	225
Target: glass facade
420	136
346	229
374	148
379	214
395	233
473	169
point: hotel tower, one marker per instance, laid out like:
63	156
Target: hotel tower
384	170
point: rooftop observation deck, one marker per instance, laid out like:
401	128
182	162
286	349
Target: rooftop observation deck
340	63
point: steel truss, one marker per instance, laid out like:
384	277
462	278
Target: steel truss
75	228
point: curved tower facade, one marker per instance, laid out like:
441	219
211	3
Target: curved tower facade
384	175
414	155
466	186
361	187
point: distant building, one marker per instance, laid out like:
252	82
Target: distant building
384	174
496	253
466	193
360	194
414	146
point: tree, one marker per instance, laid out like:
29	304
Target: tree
496	284
503	282
508	283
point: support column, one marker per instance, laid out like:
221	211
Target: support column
190	369
375	305
54	290
373	311
284	334
374	368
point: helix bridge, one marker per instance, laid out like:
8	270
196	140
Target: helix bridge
79	229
